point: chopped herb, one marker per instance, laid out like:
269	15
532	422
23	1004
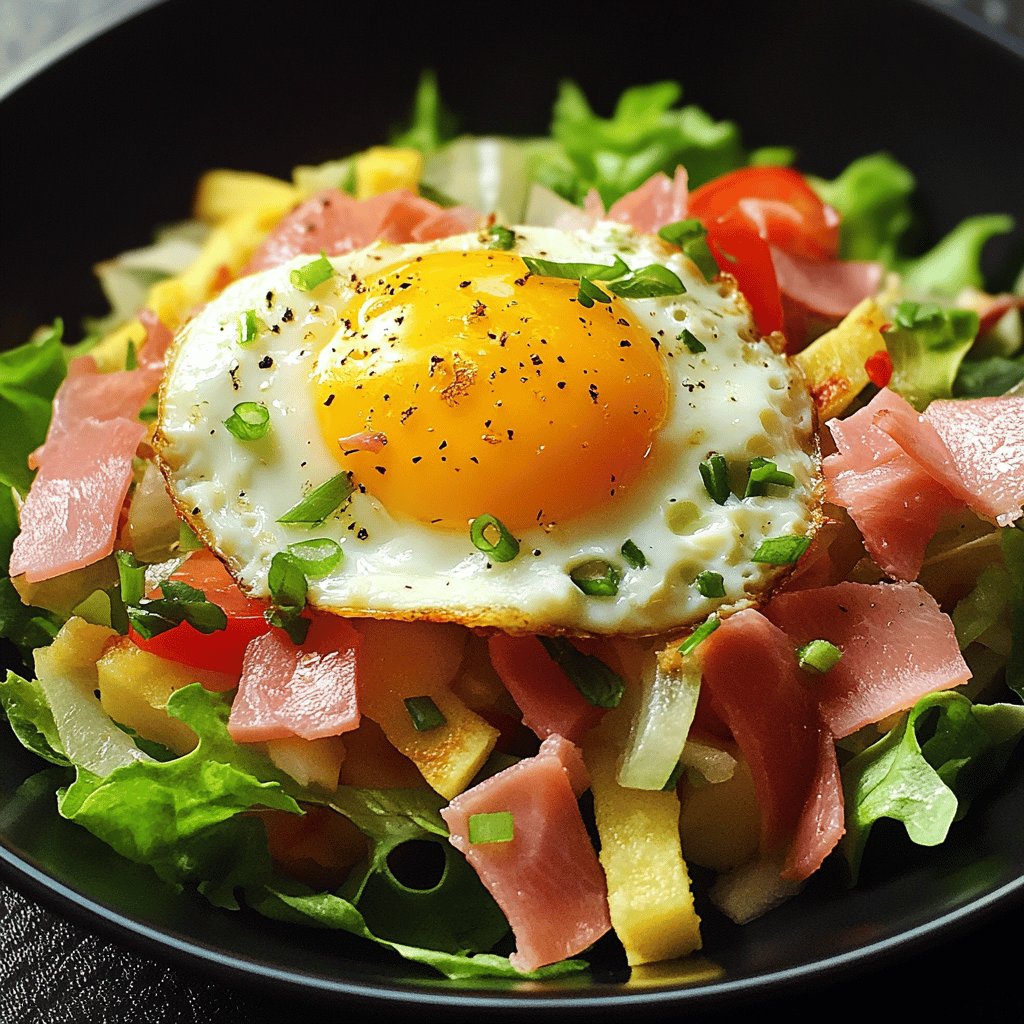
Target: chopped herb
317	557
596	682
691	236
574	271
310	275
632	554
132	576
690	341
490	535
131	357
710	584
287	583
501	237
781	550
187	540
818	656
648	283
424	714
316	506
682	231
589	293
248	327
699	635
597	578
673	779
249	421
493	827
763	472
714	471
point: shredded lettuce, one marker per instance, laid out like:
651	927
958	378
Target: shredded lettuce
926	770
31	719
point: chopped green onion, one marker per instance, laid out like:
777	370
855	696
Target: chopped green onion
714	471
493	827
574	271
700	252
682	231
424	713
131	357
818	656
691	342
691	236
597	683
763	472
148	412
490	536
648	283
316	558
632	554
187	540
248	327
699	635
316	506
310	275
710	584
287	583
249	421
673	779
597	578
589	293
132	576
501	237
179	603
781	550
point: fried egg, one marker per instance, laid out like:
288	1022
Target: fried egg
453	383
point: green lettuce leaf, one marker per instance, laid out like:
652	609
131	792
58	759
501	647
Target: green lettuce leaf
988	378
295	904
28	628
431	122
873	198
645	134
955	263
1013	559
926	770
31	719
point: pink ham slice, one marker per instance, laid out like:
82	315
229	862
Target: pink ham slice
754	685
335	223
547	878
972	447
658	201
829	288
897	646
158	341
308	691
894	502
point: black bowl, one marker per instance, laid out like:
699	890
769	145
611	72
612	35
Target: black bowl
108	141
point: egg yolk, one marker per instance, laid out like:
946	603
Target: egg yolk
460	384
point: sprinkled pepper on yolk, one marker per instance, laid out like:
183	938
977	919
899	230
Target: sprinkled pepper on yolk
461	384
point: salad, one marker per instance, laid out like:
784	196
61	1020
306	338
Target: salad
457	543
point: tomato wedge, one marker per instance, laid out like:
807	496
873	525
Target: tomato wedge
223	650
784	210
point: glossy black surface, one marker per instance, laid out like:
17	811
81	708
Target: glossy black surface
110	141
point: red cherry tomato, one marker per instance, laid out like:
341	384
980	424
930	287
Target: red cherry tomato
783	208
223	650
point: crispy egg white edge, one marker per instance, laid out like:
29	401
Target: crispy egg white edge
384	576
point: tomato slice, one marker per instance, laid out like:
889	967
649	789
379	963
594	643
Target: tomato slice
742	252
223	650
783	208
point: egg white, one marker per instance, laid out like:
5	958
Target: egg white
738	397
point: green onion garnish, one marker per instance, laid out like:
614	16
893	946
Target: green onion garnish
248	327
597	578
763	472
187	540
316	558
316	506
287	583
781	550
699	635
132	576
597	683
714	471
691	342
682	231
589	293
574	271
632	554
700	252
493	827
179	603
249	421
489	535
501	237
648	283
710	584
691	236
818	656
310	275
131	356
424	713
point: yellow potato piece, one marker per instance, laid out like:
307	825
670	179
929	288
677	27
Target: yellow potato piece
222	194
385	168
134	689
648	883
720	823
834	363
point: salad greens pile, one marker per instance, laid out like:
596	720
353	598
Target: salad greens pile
189	817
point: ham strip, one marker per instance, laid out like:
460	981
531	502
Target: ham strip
658	201
829	288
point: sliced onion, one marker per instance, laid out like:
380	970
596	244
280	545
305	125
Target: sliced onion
713	763
752	889
152	521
